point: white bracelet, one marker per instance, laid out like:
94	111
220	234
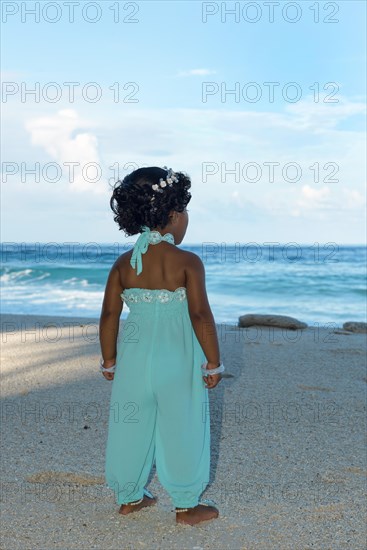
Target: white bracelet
101	367
206	371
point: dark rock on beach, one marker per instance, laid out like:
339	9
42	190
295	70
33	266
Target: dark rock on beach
281	321
354	326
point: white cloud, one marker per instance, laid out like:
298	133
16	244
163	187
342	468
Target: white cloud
312	196
63	137
353	199
322	115
186	138
322	200
315	201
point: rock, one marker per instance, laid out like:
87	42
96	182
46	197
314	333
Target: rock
281	321
354	326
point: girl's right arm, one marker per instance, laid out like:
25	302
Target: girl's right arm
199	309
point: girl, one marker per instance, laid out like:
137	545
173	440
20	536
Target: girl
159	400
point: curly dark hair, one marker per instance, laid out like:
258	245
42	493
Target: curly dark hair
131	199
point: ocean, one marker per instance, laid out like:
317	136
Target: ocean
320	284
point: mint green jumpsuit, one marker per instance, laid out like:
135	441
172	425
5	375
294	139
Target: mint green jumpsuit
159	407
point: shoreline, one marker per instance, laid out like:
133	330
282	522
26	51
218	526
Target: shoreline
25	317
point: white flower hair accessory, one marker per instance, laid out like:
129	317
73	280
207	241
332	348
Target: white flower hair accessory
170	179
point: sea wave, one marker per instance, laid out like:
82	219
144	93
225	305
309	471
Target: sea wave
315	292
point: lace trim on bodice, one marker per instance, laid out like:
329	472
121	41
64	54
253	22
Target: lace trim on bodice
147	295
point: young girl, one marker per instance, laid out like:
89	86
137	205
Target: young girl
168	354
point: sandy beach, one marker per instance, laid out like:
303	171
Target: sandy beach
288	431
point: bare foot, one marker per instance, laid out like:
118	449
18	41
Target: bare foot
197	514
128	508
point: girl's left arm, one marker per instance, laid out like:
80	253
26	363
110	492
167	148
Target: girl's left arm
110	316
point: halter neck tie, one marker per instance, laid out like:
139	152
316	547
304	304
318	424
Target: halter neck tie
146	238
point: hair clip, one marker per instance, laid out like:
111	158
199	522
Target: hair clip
170	179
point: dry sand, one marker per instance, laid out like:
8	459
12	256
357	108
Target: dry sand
287	437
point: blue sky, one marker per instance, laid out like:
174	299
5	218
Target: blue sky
164	60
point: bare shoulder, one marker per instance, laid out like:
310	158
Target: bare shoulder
124	258
193	261
121	262
194	272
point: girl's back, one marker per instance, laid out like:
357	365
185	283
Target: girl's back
164	268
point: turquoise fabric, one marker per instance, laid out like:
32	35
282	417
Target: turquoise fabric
159	406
